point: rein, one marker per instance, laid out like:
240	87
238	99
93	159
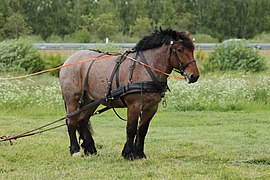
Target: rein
32	132
40	129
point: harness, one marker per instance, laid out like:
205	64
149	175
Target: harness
154	86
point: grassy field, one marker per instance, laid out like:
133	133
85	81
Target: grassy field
180	145
212	142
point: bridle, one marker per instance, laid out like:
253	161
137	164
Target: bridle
181	66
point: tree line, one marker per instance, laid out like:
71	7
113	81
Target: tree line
128	20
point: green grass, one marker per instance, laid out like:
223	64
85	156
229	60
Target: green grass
179	145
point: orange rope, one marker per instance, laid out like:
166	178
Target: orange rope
59	67
157	70
83	61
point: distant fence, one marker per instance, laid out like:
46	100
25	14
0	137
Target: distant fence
79	46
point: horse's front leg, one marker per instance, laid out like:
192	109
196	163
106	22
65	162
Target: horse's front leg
131	130
146	117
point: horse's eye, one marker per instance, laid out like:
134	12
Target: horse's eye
180	49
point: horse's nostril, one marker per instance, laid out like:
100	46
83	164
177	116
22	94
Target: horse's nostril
193	78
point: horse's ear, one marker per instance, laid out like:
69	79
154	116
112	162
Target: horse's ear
175	36
187	33
160	29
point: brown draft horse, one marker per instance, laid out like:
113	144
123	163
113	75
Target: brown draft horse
121	81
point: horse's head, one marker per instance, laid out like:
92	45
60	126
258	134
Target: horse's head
181	51
182	56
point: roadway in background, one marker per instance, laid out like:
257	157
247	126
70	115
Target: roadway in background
80	46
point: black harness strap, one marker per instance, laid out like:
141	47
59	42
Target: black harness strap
138	87
85	107
151	73
117	74
119	60
131	68
84	91
102	110
118	84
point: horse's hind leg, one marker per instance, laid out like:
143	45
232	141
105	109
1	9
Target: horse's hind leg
72	125
84	129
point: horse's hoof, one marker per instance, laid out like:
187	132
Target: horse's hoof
93	152
77	154
130	156
140	156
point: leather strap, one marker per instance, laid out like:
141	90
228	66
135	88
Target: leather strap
115	69
84	91
138	87
150	72
131	68
81	109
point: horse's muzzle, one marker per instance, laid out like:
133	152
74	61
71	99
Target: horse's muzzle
192	78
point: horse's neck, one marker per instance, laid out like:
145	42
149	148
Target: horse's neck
158	58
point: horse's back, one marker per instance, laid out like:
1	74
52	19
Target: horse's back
71	77
80	55
73	70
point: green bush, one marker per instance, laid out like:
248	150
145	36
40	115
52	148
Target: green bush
34	39
79	36
82	36
54	39
52	61
19	54
235	55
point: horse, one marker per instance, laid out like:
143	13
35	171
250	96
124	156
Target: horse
127	80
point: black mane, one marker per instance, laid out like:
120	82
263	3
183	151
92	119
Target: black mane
158	38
